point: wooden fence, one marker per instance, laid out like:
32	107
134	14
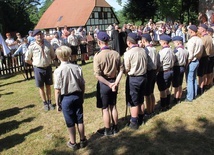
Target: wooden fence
11	65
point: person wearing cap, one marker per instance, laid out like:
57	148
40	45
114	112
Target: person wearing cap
165	63
135	63
69	86
195	49
40	54
204	62
151	72
83	45
56	42
108	69
30	37
73	43
181	55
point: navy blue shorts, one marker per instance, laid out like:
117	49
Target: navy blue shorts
150	84
74	50
210	65
202	68
43	76
105	95
164	80
135	90
72	108
178	76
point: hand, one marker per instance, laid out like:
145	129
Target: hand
114	88
59	108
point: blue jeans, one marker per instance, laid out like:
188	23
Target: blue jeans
192	80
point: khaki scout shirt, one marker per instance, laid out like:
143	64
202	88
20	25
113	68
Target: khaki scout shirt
69	78
135	61
181	56
208	45
40	59
107	63
166	59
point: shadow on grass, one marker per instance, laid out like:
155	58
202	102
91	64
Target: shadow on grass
6	84
12	125
90	95
15	139
161	139
13	111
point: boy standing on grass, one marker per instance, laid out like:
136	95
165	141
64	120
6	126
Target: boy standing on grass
70	86
108	70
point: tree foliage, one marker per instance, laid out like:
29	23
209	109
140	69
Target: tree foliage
139	10
15	15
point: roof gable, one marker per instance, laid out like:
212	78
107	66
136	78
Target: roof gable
68	12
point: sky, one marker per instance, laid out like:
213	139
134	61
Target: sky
115	5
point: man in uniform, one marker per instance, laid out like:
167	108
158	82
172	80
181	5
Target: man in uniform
151	72
73	42
108	70
165	71
83	45
195	49
40	54
135	61
181	55
204	62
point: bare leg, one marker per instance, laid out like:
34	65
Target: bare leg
114	114
106	118
48	92
42	93
72	134
81	130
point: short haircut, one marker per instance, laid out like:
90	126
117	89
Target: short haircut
63	52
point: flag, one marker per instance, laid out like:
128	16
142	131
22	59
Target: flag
4	46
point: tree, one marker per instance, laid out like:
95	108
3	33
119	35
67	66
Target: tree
139	10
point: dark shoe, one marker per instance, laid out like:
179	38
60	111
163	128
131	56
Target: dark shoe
83	143
114	129
72	146
46	107
133	125
51	107
107	132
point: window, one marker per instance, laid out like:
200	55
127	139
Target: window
60	18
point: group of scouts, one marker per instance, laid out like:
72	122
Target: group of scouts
142	65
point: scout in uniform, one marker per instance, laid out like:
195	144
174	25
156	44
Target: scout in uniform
69	85
108	70
195	49
40	54
181	56
135	62
151	72
165	71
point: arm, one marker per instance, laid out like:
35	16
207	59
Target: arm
58	99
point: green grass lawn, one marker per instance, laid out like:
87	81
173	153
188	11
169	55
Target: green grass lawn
26	129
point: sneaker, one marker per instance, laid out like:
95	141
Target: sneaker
107	132
51	107
186	100
46	107
101	131
72	146
133	125
114	129
83	143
